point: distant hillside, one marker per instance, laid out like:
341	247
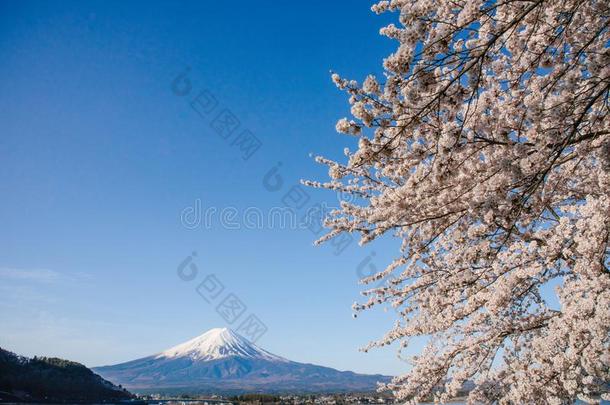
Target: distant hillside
52	379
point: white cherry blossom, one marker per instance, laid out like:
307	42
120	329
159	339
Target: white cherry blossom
485	150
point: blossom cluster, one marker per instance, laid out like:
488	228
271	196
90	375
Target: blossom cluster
485	149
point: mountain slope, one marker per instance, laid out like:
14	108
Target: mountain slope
220	360
43	378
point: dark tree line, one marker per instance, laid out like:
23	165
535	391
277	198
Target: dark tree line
49	378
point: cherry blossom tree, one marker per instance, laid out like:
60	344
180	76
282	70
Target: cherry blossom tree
485	149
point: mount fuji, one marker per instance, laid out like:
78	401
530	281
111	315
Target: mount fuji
222	361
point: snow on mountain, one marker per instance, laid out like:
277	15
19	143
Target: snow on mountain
222	361
216	344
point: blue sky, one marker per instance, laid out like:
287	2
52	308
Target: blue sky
100	157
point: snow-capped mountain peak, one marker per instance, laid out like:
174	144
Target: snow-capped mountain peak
221	360
218	343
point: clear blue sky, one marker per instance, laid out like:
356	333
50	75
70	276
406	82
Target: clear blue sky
99	158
